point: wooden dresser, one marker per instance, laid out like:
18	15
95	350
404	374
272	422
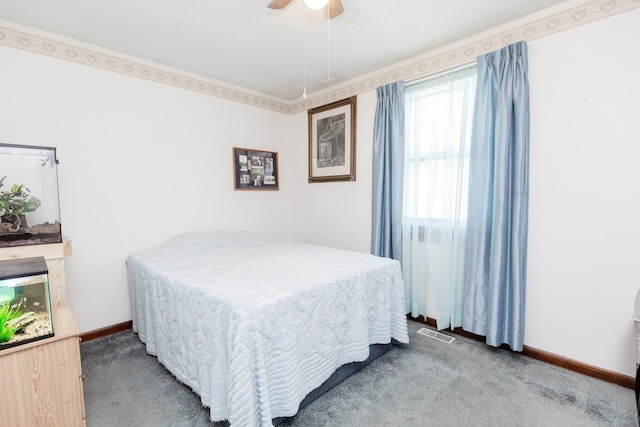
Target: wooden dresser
42	380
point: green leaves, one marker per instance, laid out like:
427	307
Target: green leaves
17	201
7	313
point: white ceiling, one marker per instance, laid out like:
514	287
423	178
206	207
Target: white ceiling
244	44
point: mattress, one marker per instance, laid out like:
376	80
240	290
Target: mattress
254	324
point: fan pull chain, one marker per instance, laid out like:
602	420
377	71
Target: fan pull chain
304	52
328	44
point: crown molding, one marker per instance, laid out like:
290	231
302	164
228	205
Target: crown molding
131	67
414	69
467	53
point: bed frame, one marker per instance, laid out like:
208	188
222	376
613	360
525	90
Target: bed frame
341	374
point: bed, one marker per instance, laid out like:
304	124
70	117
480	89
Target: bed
253	324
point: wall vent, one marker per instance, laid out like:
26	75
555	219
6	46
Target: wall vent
436	335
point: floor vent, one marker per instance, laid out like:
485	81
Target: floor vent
436	335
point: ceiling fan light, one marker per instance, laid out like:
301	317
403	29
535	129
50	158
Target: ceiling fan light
316	4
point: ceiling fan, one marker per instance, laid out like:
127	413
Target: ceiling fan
334	8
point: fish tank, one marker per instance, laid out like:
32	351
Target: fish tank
29	202
25	305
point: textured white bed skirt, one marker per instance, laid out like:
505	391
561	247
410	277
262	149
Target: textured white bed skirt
253	325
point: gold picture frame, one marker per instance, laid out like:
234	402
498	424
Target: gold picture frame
332	141
255	169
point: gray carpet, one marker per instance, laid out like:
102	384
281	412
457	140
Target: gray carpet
425	383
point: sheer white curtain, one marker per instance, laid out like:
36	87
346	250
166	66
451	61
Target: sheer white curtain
438	115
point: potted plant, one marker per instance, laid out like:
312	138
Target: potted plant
14	204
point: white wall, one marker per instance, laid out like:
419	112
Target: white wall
139	162
584	224
335	213
584	230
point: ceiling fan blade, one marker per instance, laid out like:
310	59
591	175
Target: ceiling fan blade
335	8
278	4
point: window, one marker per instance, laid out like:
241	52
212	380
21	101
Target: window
438	130
438	122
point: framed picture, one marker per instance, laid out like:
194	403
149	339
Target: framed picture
332	142
255	169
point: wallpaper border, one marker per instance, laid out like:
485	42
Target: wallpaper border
570	18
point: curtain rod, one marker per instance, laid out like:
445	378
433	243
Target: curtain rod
441	72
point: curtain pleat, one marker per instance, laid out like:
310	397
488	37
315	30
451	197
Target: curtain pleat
496	246
388	175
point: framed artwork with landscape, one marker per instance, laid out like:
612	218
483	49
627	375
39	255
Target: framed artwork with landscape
332	141
255	169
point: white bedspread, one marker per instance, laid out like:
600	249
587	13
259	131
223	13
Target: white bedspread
252	324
